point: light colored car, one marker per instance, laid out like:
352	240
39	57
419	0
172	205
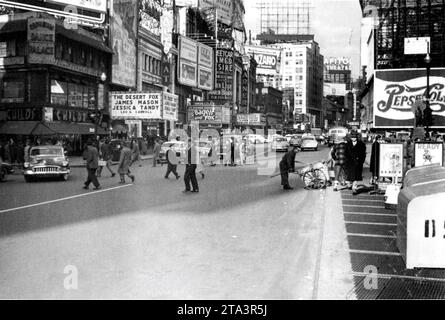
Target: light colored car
335	134
309	142
46	161
296	140
280	144
180	147
256	138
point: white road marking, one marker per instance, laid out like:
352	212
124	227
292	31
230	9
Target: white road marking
372	223
370	200
380	253
372	214
63	199
363	206
371	235
398	276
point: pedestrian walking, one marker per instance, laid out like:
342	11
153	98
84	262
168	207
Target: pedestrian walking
287	164
135	153
232	152
172	163
105	154
374	161
125	163
26	150
190	170
7	152
91	155
356	155
339	156
156	151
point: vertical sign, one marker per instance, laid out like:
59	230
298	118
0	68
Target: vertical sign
41	37
244	92
223	91
124	33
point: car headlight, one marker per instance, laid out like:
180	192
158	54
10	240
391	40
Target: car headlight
26	165
64	163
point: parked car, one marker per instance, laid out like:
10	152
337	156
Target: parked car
46	161
179	146
309	142
5	169
280	144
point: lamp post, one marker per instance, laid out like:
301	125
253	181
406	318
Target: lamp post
103	78
427	111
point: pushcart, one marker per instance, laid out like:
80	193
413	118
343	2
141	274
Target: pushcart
314	175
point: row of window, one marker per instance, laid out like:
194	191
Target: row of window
13	90
72	94
151	64
79	54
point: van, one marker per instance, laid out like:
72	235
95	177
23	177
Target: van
336	133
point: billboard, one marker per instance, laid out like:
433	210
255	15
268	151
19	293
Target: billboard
123	42
95	5
428	153
267	58
334	89
391	160
397	90
338	63
41	39
138	106
224	9
205	114
223	91
169	106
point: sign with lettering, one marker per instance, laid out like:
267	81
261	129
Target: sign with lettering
396	90
70	115
137	106
205	56
338	63
24	114
224	8
267	58
391	160
169	106
206	114
428	153
188	49
244	91
95	5
224	61
252	119
41	38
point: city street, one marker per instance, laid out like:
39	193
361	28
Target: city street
241	237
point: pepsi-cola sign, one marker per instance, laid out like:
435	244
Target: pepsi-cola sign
397	90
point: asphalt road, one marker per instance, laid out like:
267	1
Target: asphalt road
241	237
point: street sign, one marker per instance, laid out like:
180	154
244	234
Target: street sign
417	45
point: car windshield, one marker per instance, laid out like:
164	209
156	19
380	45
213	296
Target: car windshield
47	151
308	139
280	139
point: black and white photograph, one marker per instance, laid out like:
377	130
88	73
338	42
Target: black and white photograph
223	155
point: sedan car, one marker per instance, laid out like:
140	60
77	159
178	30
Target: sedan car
280	144
295	140
309	142
179	146
5	169
46	161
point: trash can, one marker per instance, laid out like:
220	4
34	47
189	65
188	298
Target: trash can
423	174
421	221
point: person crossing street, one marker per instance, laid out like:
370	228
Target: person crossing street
125	163
190	169
172	163
91	156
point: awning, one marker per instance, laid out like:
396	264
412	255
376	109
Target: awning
83	38
18	127
119	128
51	128
13	26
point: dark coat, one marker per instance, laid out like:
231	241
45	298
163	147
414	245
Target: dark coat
288	161
356	158
339	154
91	157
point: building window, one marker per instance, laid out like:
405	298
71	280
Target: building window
13	89
59	92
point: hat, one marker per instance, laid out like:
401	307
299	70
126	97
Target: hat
354	134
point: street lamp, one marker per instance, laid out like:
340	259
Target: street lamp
103	78
427	111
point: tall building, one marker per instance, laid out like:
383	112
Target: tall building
285	17
301	79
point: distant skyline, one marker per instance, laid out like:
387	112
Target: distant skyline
335	24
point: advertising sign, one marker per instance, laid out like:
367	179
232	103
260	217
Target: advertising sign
338	63
224	8
396	90
334	89
205	56
170	106
188	49
205	78
188	73
95	5
223	91
242	119
391	160
244	92
136	106
124	33
417	45
267	58
205	114
252	119
41	38
428	153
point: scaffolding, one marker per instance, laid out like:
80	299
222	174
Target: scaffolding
285	17
400	19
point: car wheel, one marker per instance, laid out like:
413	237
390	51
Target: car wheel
3	174
28	178
316	149
64	177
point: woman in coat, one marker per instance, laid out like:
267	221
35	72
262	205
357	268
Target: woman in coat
125	163
339	156
356	154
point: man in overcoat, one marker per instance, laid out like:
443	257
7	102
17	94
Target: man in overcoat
125	163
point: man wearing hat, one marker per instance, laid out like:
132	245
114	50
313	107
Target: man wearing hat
356	155
91	156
